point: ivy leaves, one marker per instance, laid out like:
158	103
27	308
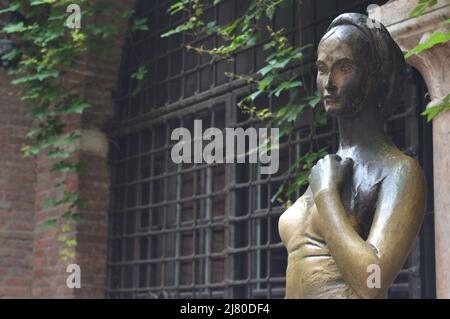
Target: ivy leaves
139	76
14	27
435	39
139	25
49	51
433	111
274	79
421	6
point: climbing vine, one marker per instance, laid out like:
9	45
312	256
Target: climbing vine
273	79
48	49
435	39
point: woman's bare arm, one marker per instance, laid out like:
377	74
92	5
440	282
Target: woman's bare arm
289	221
397	220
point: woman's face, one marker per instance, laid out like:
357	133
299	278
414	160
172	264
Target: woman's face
342	78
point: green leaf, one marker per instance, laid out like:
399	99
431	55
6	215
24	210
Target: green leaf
270	44
11	55
139	25
178	6
277	194
314	100
58	153
127	13
270	11
140	73
181	28
49	202
280	88
289	113
75	107
11	8
298	183
253	40
211	28
436	38
432	112
66	228
62	238
71	242
14	27
48	225
82	203
295	84
39	77
65	167
280	64
254	95
321	119
39	2
265	70
72	217
265	82
34	131
264	114
421	6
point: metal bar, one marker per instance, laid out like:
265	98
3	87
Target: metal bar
230	172
178	221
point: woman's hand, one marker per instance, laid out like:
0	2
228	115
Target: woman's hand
330	173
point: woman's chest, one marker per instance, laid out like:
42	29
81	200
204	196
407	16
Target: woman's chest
359	197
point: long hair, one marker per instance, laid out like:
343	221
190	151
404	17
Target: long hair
388	62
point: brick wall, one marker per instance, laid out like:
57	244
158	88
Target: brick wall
30	265
98	77
17	184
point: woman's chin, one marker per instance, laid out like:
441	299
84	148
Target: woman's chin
337	110
334	108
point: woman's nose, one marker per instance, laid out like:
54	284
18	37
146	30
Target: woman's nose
329	83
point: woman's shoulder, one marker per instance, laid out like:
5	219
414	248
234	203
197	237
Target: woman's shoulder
404	170
404	164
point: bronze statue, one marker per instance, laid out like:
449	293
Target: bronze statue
365	204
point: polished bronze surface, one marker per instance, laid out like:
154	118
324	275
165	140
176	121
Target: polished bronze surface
365	204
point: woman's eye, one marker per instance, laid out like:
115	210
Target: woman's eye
322	69
346	68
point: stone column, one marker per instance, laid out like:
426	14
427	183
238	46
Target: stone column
434	66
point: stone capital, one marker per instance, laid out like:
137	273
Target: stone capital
408	32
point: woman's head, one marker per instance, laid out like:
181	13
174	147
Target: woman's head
359	64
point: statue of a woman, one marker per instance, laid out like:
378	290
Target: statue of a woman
350	233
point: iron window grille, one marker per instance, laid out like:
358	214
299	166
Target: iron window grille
210	230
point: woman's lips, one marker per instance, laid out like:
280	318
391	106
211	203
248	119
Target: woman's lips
330	98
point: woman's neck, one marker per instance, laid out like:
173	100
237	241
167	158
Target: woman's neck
362	134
